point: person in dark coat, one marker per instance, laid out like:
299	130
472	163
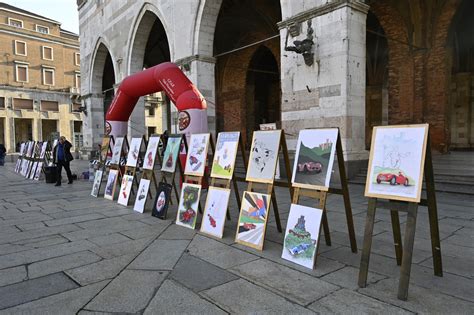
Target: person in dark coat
2	154
62	157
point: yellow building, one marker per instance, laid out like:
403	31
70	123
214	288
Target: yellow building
39	79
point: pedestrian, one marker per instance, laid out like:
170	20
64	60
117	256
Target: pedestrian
62	157
2	154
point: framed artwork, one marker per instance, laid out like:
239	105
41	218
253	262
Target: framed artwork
188	205
29	166
110	186
150	153
44	146
215	211
22	148
135	146
197	154
272	126
39	168
142	194
97	183
24	166
117	151
397	157
31	148
224	158
302	235
104	149
55	143
18	165
32	173
253	219
162	201
263	156
314	158
171	153
125	188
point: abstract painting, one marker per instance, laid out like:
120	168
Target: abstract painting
263	156
110	186
253	219
188	205
314	158
162	201
97	183
226	152
302	235
150	154
33	170
117	151
397	157
215	211
197	154
133	153
142	194
38	171
171	153
125	188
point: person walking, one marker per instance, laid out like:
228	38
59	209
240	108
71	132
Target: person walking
62	157
2	154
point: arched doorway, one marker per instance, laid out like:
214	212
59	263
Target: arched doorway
108	81
262	90
376	94
461	93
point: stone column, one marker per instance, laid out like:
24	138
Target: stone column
93	122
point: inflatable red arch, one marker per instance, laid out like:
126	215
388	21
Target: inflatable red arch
165	77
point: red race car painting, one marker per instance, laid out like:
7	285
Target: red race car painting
310	167
393	179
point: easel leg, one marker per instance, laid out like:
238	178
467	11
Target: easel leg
397	237
435	243
327	235
407	252
369	229
275	210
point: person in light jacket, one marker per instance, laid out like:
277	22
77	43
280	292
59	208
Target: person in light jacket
62	157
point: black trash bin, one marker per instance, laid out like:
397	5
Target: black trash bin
50	174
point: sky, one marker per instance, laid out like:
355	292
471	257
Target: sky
63	11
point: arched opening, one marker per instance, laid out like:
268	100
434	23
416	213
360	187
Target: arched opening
240	64
102	80
150	48
376	93
108	81
262	90
461	100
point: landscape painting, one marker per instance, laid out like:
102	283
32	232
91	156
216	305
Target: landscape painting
188	205
171	154
396	162
263	156
314	158
142	195
226	152
110	186
162	201
117	151
215	211
253	219
150	154
97	183
125	188
302	235
197	154
133	153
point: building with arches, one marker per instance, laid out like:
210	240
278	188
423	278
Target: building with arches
310	63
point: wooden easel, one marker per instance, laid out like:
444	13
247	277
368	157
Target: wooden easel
171	180
117	166
102	161
131	167
149	174
404	254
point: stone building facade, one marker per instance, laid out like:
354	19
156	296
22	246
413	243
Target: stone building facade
39	79
371	63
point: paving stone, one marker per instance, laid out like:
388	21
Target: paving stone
30	226
302	288
76	219
160	255
130	292
217	253
12	275
109	239
12	248
175	232
33	234
54	265
103	227
69	302
43	241
257	300
123	248
349	302
147	231
172	298
347	277
26	291
199	275
461	267
102	270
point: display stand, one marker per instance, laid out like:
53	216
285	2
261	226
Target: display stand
404	254
131	164
167	177
117	166
104	152
31	160
149	173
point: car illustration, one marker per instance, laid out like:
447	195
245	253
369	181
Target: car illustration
249	226
310	167
393	179
193	160
188	216
299	249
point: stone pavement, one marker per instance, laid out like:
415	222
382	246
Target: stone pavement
65	252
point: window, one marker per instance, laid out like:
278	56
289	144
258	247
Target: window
21	71
47	53
42	29
77	59
2	102
78	81
151	110
49	106
48	76
21	103
151	131
20	48
76	107
15	22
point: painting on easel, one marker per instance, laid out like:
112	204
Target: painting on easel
162	201
226	152
302	235
197	154
150	154
263	156
314	158
111	183
117	151
141	197
97	183
215	210
125	188
396	162
171	154
188	205
135	146
104	149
